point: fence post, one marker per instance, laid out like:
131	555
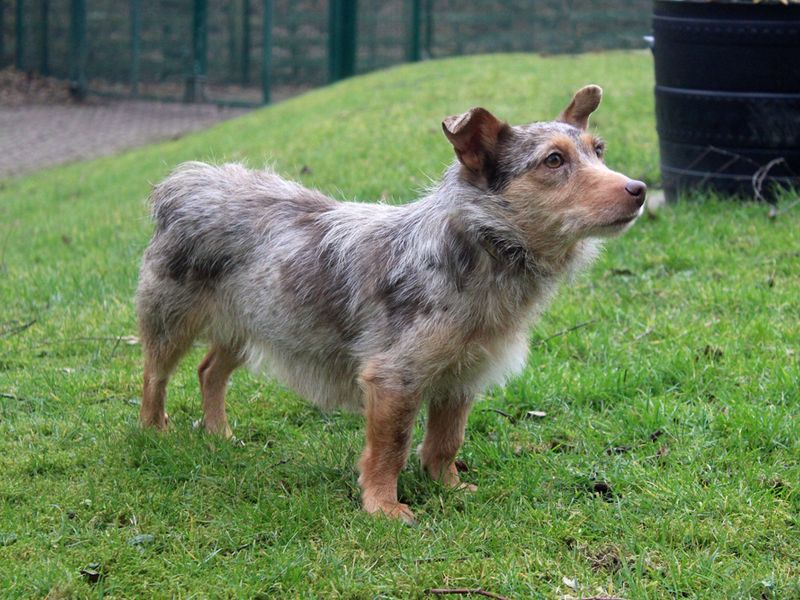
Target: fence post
343	27
232	21
195	85
245	65
44	49
350	45
266	53
334	33
78	51
372	34
429	29
2	34
136	46
19	36
413	31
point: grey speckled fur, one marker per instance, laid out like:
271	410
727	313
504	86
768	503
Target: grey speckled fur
374	306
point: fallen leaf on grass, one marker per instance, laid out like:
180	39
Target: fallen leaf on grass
141	540
91	573
535	414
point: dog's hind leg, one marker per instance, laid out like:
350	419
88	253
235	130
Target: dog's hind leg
160	358
169	320
447	418
390	423
214	372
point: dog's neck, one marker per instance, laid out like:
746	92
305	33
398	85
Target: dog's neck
489	218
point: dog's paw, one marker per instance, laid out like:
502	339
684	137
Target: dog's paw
400	511
459	486
448	477
223	430
157	422
393	510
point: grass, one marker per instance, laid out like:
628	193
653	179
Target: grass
667	464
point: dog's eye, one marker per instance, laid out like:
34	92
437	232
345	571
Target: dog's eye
554	160
599	150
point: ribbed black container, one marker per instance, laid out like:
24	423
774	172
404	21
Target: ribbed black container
727	95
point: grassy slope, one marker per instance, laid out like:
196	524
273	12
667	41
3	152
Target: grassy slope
694	334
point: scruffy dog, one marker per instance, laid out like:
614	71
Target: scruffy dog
374	307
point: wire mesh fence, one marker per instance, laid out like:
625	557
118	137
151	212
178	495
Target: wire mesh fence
254	51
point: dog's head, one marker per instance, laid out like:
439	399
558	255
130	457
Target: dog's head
551	174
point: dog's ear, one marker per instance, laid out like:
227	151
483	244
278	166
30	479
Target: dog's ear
474	136
584	103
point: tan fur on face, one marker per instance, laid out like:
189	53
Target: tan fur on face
589	141
557	203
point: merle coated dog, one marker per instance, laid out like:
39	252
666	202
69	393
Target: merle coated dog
373	307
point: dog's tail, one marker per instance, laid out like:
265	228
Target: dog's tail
182	190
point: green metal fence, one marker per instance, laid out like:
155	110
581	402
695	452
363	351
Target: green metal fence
254	51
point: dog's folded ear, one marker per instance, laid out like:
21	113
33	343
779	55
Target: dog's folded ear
584	103
474	136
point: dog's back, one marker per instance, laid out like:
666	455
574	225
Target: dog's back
209	218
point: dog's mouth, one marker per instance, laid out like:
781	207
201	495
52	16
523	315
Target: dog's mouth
623	221
618	225
626	220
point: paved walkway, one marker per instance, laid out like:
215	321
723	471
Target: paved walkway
34	136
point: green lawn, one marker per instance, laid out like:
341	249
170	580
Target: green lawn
667	465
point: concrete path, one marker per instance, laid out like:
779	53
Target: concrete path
35	135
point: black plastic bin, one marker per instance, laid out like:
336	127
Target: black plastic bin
728	96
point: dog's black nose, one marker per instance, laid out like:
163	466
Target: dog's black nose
636	189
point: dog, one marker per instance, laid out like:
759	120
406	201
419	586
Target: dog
375	307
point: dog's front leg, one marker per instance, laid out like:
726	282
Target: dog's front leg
447	419
390	413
